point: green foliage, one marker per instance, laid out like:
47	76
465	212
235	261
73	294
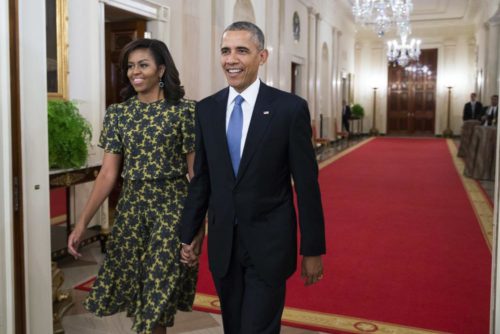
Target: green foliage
69	135
357	111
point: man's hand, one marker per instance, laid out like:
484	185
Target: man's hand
312	269
197	242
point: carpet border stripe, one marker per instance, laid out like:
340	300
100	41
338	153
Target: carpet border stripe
319	320
339	155
477	197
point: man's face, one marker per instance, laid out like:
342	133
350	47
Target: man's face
494	100
240	58
473	97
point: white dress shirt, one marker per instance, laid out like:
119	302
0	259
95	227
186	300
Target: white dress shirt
492	110
250	96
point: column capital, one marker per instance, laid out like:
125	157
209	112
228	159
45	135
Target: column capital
312	11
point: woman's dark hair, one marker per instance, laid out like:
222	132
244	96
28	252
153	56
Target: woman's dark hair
173	91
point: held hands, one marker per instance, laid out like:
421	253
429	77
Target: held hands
190	253
74	240
312	269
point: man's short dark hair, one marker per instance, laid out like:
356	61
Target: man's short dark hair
257	34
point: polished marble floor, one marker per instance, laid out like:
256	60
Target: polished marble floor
78	321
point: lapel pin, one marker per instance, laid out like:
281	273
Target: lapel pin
266	112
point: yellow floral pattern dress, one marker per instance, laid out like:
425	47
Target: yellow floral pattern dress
142	273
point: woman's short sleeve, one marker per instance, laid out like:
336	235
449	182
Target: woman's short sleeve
187	127
110	139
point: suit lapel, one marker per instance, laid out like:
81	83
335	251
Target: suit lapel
220	128
259	122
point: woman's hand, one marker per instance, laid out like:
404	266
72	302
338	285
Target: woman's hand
190	254
74	240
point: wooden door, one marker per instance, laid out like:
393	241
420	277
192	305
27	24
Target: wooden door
411	97
118	34
17	180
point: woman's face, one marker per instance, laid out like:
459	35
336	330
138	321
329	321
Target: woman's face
143	73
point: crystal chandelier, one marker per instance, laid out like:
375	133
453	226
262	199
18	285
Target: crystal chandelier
403	53
382	15
419	69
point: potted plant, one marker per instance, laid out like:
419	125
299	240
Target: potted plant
69	135
357	111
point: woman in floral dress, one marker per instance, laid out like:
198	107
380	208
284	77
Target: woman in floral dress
152	132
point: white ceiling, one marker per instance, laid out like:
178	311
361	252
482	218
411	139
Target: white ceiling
445	10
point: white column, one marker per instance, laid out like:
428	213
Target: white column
378	62
317	60
451	79
336	98
491	70
333	81
312	65
270	72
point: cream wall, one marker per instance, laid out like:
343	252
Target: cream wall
199	71
203	25
370	71
86	84
6	254
195	45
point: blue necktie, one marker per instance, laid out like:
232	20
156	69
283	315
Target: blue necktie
234	130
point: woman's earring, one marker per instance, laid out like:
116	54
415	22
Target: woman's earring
161	83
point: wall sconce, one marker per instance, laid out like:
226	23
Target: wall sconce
374	130
448	132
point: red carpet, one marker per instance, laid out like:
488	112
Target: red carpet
85	286
405	248
58	206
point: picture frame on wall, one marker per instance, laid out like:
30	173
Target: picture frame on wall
57	63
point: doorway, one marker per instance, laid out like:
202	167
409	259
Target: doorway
121	28
411	96
296	79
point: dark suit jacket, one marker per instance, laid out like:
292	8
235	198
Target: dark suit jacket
478	111
347	114
490	119
278	146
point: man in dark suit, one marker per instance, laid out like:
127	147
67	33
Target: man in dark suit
251	141
346	115
490	113
473	109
